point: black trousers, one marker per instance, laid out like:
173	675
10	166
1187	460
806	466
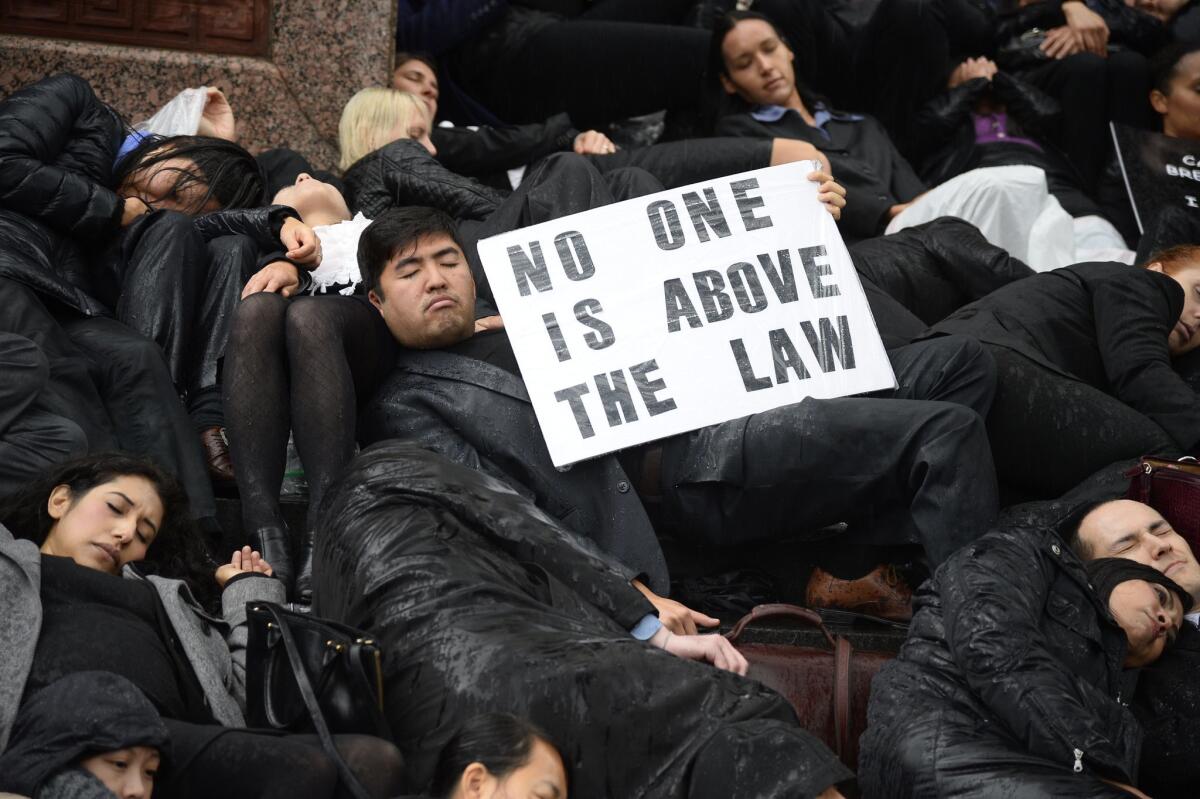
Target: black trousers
113	385
909	465
209	761
1049	432
618	59
178	290
32	438
1092	91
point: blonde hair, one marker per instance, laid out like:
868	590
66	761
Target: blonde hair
370	116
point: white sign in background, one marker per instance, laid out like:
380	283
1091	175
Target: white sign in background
666	313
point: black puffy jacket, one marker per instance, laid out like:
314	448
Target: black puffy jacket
1011	661
57	145
404	173
58	218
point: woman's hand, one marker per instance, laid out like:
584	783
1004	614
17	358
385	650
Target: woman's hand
217	118
1061	42
831	193
134	208
593	142
970	69
714	649
1088	26
277	277
302	242
244	561
676	617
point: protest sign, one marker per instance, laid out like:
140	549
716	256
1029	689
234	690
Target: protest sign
1159	171
697	305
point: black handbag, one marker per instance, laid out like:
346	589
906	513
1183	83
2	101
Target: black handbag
305	674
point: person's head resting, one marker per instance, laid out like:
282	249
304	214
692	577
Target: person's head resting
1123	528
752	60
499	756
1148	605
190	174
1182	264
317	202
104	511
1175	72
418	276
93	721
416	73
375	117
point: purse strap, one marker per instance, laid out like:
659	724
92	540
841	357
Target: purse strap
842	653
347	775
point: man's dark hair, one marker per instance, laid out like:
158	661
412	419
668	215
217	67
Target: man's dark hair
500	741
395	230
1068	528
404	56
226	171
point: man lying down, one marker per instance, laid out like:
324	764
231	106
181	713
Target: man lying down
483	603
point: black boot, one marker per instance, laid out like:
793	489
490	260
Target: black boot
303	592
272	544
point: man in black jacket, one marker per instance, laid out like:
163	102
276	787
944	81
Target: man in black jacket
908	469
1167	701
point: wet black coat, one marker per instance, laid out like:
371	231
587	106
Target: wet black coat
495	149
484	604
1167	703
1105	324
862	156
78	716
1011	667
480	416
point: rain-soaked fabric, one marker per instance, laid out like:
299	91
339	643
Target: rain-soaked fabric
79	715
1010	677
482	603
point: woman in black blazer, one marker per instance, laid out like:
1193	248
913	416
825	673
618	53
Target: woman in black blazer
1086	375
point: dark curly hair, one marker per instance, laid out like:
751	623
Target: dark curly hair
226	171
177	551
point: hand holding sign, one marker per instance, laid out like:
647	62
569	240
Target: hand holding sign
690	307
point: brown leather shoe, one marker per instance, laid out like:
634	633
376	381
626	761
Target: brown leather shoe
216	454
881	592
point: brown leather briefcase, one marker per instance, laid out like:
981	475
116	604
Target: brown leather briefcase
828	686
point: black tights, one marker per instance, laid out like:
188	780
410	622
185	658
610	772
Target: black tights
242	763
298	364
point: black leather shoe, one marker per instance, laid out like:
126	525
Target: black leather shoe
303	591
272	544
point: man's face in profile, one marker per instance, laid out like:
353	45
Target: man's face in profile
1128	529
427	294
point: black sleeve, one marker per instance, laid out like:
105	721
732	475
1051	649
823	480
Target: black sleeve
57	146
1133	319
905	183
1037	111
261	224
940	118
1113	199
741	125
404	173
489	150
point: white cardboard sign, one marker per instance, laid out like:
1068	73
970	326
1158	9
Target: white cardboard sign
694	306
